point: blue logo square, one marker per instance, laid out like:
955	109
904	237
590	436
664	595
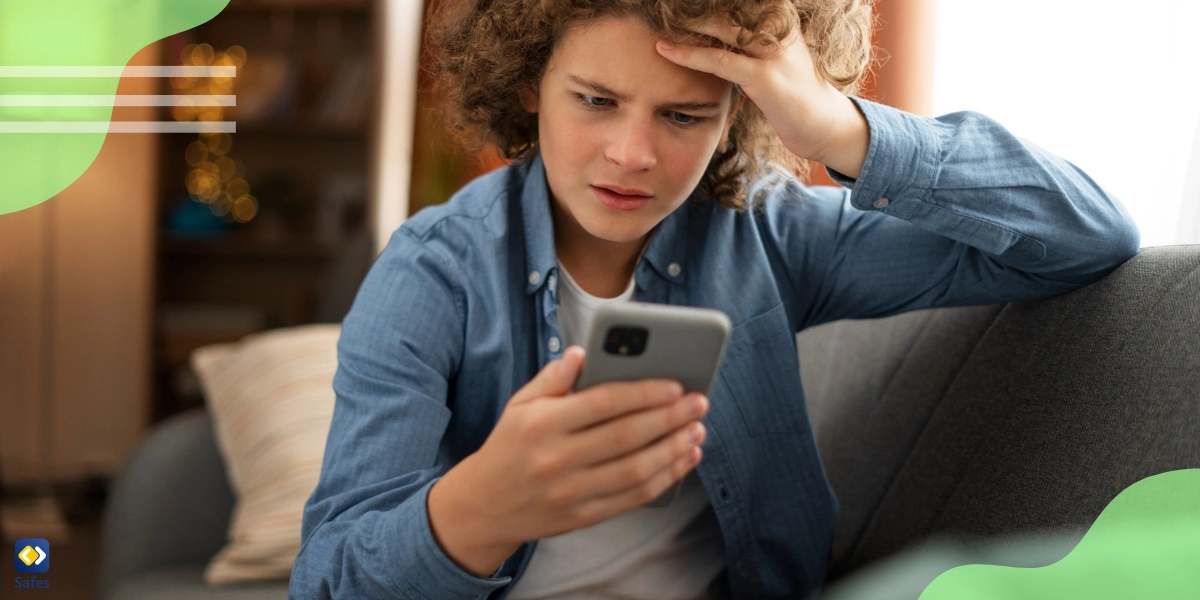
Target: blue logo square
32	555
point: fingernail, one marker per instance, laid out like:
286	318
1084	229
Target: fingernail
696	405
673	389
695	433
666	45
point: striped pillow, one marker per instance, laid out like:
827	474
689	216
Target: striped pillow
271	399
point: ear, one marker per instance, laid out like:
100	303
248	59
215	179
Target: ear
529	99
733	112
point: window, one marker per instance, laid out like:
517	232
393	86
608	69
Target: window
1113	89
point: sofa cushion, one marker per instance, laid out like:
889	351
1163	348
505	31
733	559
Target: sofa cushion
271	398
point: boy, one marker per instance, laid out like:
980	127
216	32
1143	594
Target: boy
645	138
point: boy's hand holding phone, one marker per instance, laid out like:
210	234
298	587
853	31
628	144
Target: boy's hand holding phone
559	461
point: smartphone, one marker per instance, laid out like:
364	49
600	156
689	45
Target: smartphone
640	340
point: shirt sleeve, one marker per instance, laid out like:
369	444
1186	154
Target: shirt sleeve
366	531
947	211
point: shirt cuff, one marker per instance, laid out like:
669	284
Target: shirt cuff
425	570
903	159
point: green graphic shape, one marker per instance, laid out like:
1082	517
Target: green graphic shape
1146	544
71	33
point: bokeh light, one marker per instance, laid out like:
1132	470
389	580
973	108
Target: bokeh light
244	208
196	153
237	54
184	113
226	168
202	55
216	178
237	187
219	143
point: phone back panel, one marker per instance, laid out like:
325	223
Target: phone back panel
684	343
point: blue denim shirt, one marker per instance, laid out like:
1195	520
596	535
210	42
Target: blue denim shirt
459	311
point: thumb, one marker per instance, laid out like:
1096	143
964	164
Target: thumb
555	379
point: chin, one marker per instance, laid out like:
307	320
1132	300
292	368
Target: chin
619	228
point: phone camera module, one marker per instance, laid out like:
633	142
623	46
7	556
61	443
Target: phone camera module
626	341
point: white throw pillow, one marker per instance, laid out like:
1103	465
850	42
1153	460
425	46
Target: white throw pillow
271	399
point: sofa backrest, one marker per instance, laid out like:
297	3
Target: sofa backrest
1009	418
170	505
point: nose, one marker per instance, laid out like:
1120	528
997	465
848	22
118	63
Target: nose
632	147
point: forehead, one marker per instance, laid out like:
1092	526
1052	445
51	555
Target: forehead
619	53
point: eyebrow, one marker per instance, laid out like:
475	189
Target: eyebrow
607	93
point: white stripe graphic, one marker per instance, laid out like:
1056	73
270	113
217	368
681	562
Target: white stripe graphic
117	127
183	71
117	100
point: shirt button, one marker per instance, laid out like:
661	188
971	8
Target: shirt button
550	282
554	344
880	203
535	278
673	269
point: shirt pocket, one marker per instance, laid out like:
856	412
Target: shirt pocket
761	375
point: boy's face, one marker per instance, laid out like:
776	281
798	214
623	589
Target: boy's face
612	112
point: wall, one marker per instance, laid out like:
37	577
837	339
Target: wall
75	293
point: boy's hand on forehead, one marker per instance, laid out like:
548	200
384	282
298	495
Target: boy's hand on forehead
813	119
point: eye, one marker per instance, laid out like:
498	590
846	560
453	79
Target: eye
592	102
683	119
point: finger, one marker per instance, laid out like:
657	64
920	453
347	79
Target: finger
621	436
605	401
636	468
720	29
723	63
555	379
606	507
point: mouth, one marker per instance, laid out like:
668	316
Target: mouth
627	201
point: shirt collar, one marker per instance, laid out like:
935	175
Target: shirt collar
666	251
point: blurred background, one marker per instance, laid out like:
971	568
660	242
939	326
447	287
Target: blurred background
174	241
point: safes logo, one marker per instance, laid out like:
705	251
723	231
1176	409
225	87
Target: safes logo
33	555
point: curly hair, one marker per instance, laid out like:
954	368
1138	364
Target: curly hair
484	51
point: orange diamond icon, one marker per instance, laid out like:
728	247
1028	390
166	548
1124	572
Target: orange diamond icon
28	556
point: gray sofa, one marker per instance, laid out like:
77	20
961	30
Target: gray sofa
962	423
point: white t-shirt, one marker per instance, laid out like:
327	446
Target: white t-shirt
668	553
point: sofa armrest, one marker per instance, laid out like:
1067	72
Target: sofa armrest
170	505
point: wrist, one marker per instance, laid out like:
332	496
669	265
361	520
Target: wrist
847	150
473	543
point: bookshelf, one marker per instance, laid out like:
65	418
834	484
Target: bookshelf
269	226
